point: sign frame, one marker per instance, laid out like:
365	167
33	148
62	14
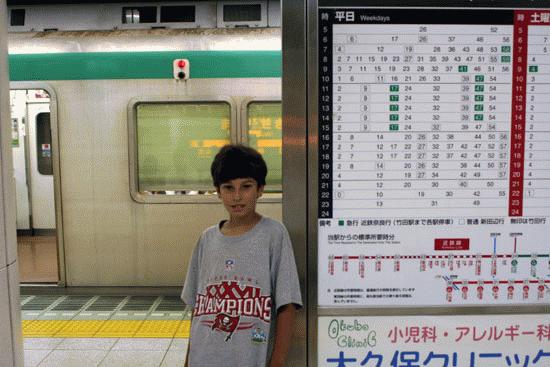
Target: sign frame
310	138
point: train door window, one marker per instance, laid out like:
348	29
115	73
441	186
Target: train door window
264	122
44	144
176	143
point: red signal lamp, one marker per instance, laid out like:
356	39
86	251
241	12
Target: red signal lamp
180	69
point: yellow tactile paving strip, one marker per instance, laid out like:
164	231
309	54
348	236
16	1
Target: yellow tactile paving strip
160	328
44	328
80	329
119	328
106	329
184	330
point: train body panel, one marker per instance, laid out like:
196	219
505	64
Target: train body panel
131	243
218	39
108	238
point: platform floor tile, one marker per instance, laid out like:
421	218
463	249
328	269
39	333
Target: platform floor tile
180	315
30	315
87	343
93	352
34	357
73	358
143	344
130	315
41	343
179	345
57	315
173	359
93	315
133	358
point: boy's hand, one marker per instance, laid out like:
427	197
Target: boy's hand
283	336
276	363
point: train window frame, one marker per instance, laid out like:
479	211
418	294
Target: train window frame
176	198
277	193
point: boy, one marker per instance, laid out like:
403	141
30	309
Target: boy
242	275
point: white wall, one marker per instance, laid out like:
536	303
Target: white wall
11	349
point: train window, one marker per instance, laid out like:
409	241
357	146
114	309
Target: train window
140	14
171	14
176	143
242	13
264	119
44	144
17	17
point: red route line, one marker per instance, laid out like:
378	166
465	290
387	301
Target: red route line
501	282
421	257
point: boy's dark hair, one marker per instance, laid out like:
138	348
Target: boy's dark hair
238	161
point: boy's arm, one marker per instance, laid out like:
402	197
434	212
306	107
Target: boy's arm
283	336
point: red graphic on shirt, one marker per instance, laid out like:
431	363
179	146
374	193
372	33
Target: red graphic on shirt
230	301
226	323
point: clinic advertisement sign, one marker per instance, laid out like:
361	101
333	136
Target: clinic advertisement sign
435	341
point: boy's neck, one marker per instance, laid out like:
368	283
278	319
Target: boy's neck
238	226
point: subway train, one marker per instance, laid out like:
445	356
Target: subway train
114	129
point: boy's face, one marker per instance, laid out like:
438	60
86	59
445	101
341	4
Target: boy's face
239	196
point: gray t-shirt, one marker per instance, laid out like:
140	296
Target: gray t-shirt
236	284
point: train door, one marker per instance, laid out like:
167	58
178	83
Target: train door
33	171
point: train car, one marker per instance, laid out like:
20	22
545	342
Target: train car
115	125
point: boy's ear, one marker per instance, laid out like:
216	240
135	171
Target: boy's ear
260	191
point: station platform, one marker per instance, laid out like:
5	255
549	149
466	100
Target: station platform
104	330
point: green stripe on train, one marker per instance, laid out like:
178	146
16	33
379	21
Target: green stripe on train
143	65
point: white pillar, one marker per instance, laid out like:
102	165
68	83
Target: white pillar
11	341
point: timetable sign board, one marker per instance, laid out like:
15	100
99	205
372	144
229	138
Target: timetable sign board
434	157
